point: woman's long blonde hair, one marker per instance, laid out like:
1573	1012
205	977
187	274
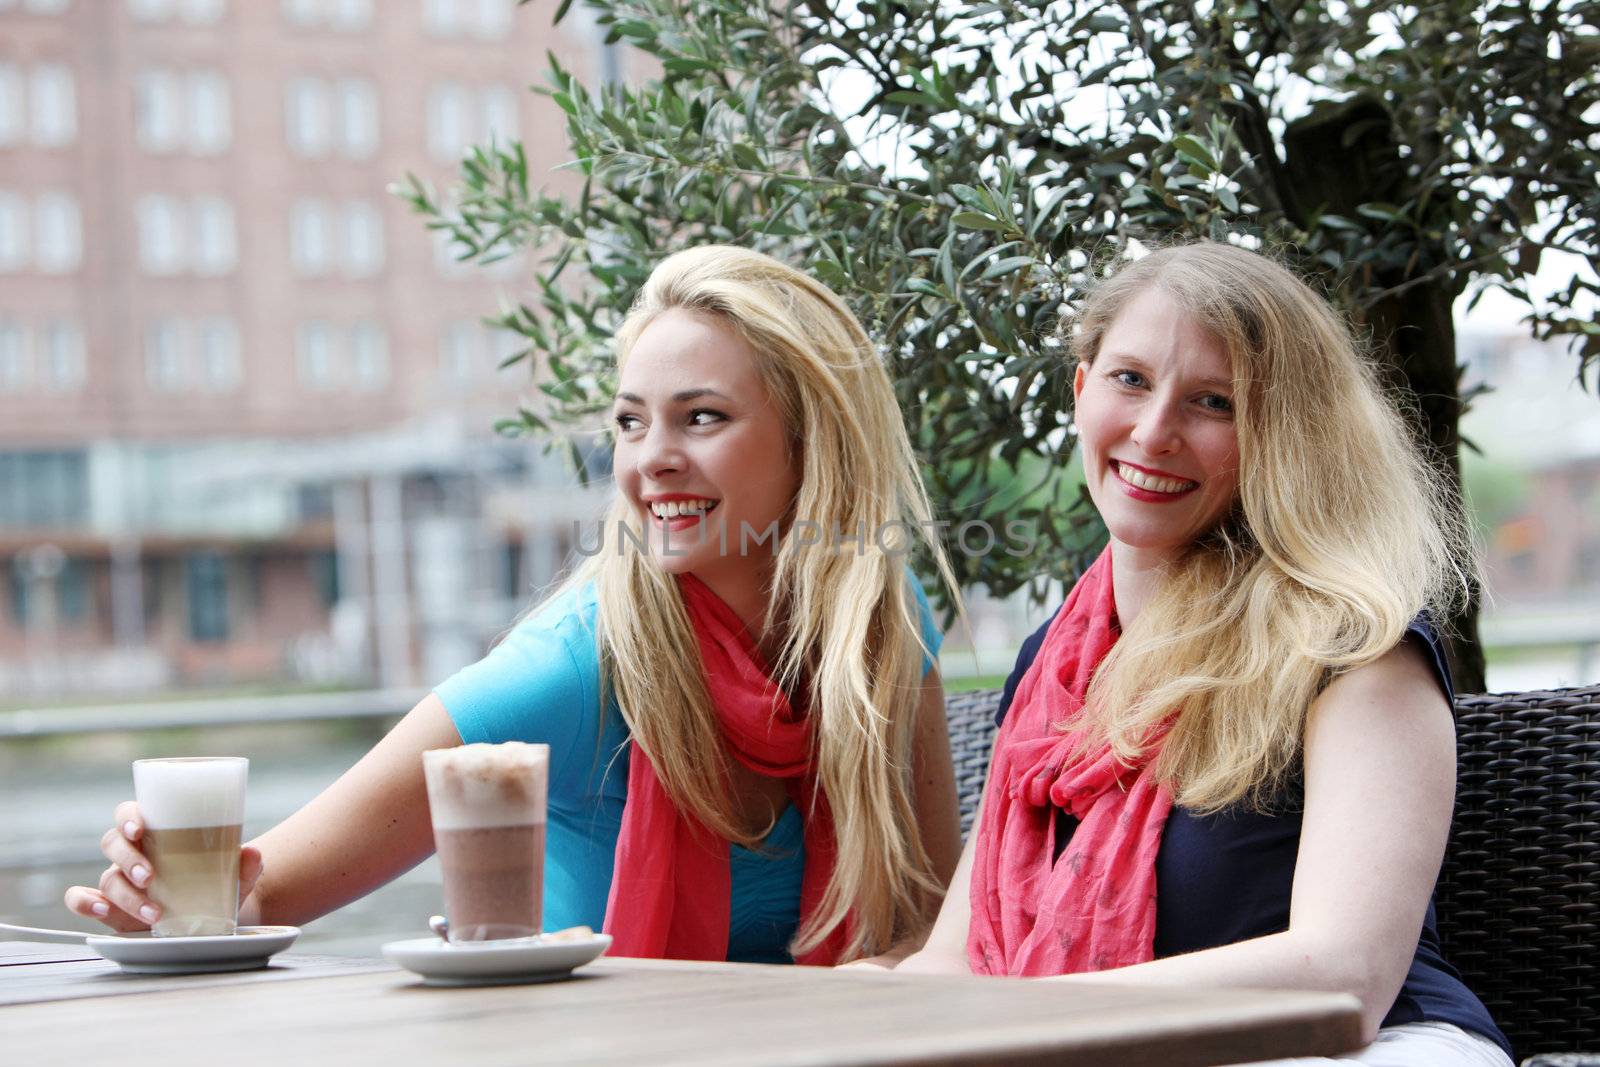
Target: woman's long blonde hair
1341	535
851	645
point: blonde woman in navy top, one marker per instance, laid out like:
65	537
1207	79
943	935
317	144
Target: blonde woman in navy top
1229	758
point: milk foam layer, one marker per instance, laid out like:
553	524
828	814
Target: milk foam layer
487	785
178	793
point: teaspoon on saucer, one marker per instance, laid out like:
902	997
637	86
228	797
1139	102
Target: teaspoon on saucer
39	933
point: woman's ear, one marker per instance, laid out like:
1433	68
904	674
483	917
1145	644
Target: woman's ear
1077	381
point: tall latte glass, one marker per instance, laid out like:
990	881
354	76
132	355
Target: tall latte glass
193	813
488	808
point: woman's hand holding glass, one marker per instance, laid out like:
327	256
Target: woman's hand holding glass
121	900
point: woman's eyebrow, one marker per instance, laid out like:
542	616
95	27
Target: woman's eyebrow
679	397
1131	360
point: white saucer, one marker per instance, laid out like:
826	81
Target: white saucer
514	960
140	953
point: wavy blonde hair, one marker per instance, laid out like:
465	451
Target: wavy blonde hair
1342	533
851	642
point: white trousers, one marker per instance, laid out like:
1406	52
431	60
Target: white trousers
1411	1045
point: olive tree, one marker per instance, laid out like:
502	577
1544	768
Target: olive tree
961	171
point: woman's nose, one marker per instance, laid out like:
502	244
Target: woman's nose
1158	429
659	453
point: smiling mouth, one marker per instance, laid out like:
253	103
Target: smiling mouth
1151	483
666	510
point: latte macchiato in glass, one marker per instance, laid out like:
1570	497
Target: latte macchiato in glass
193	811
488	808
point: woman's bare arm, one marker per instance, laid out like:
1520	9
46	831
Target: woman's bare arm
1380	785
365	829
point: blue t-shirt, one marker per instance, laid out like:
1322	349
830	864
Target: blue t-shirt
1227	877
542	684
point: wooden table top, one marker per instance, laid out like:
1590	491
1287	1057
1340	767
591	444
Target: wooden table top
61	1005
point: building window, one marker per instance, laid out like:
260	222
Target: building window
369	356
460	116
210	114
203	12
220	365
459	354
174	111
194	12
348	15
55	105
206	588
13	357
17	578
13	232
152	10
61	357
43	489
302	12
442	18
324	568
216	243
343	15
314	355
309	246
488	19
158	111
500	123
363	239
12	109
309	129
447	121
358	118
59	233
493	18
161	244
322	117
163	357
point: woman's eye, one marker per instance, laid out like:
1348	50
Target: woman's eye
1128	377
627	422
1219	404
705	417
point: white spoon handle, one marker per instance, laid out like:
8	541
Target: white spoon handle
34	933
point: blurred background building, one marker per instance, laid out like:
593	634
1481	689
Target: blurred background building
246	398
246	411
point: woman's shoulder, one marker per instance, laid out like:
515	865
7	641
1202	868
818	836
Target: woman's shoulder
537	681
568	617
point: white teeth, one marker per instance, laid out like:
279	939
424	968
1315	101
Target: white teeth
1152	482
671	509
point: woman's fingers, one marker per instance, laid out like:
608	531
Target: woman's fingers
129	821
249	869
116	847
122	894
93	904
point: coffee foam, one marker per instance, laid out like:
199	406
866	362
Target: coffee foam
487	785
178	793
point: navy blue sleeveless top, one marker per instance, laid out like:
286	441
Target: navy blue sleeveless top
1226	877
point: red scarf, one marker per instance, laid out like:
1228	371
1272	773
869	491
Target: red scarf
1095	909
671	886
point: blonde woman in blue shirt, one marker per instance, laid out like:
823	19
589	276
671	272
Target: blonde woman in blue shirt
748	398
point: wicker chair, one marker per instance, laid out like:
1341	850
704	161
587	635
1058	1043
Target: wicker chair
1518	906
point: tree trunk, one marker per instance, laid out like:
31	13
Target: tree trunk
1342	155
1415	335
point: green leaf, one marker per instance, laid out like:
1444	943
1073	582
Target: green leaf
914	97
1192	151
973	221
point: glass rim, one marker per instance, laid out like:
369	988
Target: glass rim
194	759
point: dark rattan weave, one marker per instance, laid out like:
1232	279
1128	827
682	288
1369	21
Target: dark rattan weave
1517	902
